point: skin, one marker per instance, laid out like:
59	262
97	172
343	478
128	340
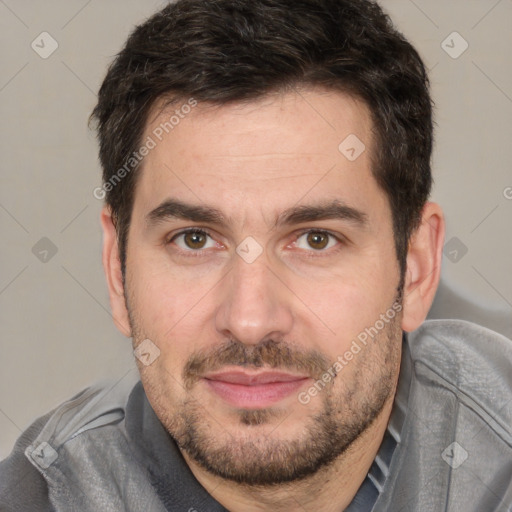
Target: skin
252	162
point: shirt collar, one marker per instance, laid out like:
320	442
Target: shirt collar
374	483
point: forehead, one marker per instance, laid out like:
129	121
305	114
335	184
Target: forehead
279	149
297	115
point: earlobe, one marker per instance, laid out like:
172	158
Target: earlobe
112	268
423	267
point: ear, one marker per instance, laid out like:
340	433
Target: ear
112	267
423	267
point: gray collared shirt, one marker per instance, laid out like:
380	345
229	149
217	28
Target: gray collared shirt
448	445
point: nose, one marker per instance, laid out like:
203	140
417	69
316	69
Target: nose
255	305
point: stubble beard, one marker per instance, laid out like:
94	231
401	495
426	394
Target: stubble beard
246	456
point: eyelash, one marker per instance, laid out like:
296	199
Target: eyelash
191	252
322	253
310	254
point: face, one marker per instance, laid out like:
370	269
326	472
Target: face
261	264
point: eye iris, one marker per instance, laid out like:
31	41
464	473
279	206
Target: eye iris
195	240
318	240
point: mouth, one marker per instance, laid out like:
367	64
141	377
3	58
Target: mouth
254	390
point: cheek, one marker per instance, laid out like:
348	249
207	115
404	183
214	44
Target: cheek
344	309
349	301
164	293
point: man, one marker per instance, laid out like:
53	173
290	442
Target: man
268	245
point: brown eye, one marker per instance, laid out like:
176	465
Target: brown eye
195	239
318	240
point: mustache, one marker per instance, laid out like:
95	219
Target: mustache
269	353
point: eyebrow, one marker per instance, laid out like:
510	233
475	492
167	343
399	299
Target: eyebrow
336	210
174	209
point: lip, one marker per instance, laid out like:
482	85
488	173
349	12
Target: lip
254	390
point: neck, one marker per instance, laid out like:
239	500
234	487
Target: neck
330	489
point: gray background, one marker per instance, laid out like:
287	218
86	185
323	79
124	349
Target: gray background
57	335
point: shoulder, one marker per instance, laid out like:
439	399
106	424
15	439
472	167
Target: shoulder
21	485
473	362
103	403
22	482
